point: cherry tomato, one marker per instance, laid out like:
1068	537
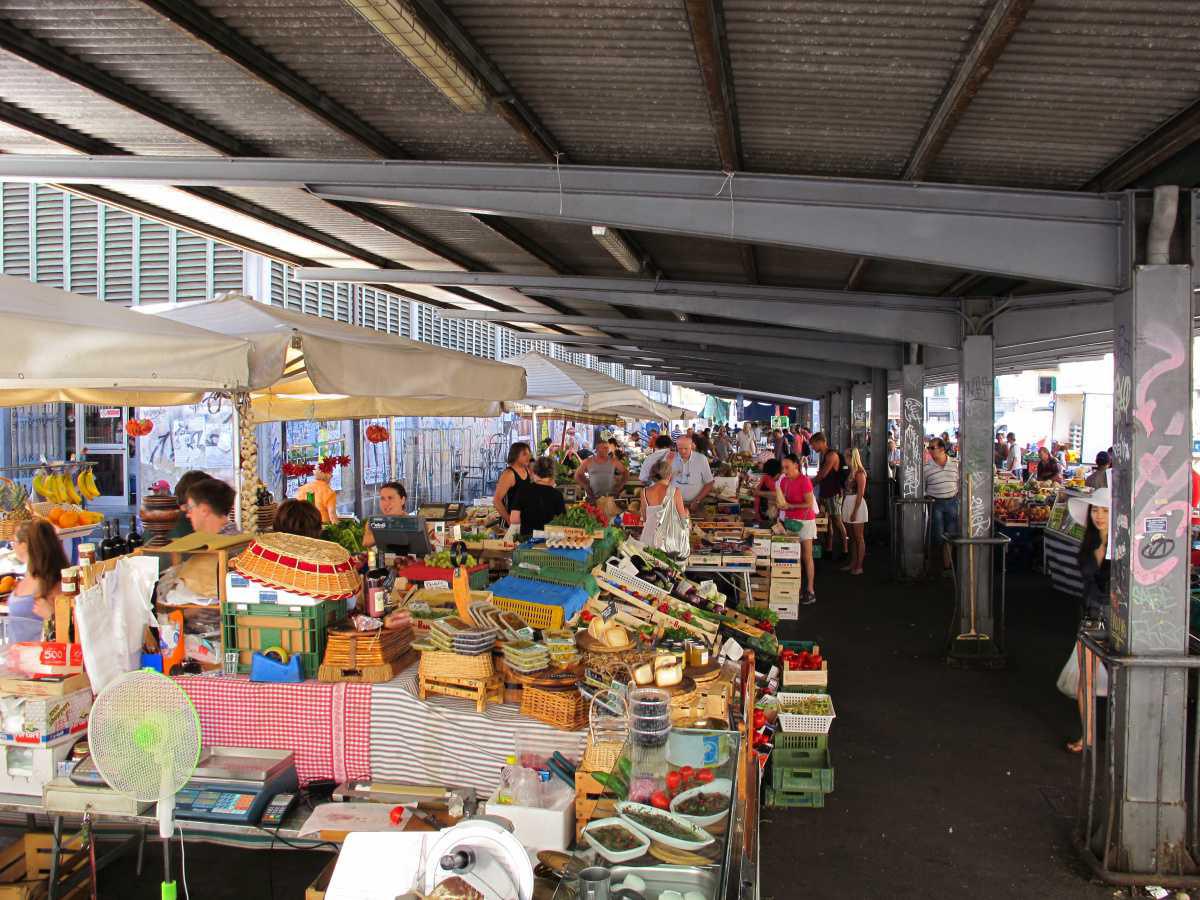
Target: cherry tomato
686	773
660	800
704	776
674	779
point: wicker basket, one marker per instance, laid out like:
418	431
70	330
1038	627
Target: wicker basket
564	710
299	564
9	526
602	756
442	664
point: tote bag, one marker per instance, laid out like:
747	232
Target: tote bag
674	533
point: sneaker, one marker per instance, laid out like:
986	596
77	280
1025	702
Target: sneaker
808	598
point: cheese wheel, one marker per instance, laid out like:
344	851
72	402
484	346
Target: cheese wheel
616	636
665	659
669	676
597	628
643	675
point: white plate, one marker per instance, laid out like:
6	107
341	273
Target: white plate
716	786
703	838
616	856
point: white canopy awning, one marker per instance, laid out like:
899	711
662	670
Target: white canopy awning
61	347
565	387
307	367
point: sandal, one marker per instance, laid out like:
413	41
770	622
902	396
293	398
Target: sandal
1074	746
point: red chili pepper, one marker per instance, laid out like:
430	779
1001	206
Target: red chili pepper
704	776
674	779
664	608
686	773
760	718
660	800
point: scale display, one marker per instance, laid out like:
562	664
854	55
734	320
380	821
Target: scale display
214	803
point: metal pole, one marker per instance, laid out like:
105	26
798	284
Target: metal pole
912	438
878	493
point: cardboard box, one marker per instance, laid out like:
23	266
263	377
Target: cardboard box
239	589
49	686
786	571
785	591
790	552
25	769
41	720
786	610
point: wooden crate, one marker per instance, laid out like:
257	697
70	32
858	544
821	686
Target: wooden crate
316	890
25	867
590	802
481	691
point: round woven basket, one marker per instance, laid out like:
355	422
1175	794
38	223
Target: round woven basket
302	565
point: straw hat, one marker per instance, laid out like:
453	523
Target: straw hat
1078	506
302	565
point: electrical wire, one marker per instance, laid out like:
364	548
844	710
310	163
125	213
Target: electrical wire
312	846
183	862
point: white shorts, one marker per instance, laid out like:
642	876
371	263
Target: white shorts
848	502
808	529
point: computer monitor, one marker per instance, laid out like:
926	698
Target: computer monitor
402	535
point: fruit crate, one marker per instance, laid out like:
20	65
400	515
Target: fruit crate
542	604
419	573
805	722
800	740
568	577
810	681
801	771
248	628
799	800
569	560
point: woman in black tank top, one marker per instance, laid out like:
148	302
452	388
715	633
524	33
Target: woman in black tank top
512	478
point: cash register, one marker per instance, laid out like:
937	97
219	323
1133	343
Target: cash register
401	535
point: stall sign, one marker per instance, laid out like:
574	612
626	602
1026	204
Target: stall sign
112	412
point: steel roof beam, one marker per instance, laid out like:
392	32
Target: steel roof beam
996	28
785	396
672	352
1176	134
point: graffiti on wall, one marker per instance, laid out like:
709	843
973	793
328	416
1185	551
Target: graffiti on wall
910	444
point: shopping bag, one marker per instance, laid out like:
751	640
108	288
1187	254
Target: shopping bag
674	533
1068	678
112	617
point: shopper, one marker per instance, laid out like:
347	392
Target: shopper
662	446
1099	476
693	476
854	513
1015	462
1048	468
779	444
601	475
36	545
321	494
654	497
1094	566
830	481
941	485
1000	452
300	517
182	526
209	505
764	494
722	445
797	504
393	501
537	501
746	444
516	474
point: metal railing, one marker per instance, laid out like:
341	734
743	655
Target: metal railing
894	532
964	546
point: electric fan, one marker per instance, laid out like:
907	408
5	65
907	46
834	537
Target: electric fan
144	736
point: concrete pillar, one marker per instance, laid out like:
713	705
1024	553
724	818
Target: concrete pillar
858	417
976	611
912	445
877	494
806	415
1151	481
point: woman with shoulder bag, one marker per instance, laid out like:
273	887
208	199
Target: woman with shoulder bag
1094	566
854	513
797	503
663	506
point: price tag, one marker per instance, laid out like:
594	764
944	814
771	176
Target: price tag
609	611
438	585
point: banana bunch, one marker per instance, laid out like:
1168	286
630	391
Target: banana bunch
57	487
85	482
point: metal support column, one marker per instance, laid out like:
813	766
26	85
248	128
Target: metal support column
1151	482
858	418
877	493
975	634
806	415
912	488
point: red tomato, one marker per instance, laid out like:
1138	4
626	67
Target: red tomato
396	814
704	776
674	779
660	799
686	773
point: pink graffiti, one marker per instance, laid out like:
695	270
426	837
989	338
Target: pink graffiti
1160	338
1152	474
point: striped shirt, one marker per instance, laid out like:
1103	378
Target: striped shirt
941	482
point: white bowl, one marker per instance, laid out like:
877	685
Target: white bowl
716	786
703	838
616	856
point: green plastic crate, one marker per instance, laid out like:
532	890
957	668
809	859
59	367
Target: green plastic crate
580	579
800	740
798	800
547	560
300	630
795	771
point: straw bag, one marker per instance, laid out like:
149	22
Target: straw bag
673	535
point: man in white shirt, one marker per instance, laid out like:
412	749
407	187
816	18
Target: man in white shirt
746	442
941	485
693	476
662	446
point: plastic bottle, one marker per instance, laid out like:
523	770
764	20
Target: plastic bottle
518	785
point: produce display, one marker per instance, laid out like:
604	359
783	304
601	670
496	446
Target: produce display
661	824
584	516
704	804
346	532
804	661
809	705
71	517
616	837
1017	503
58	487
441	560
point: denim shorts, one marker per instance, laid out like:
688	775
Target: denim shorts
943	520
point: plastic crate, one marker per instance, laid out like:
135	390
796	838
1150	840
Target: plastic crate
802	770
812	724
581	579
299	630
798	800
536	554
800	740
477	579
542	604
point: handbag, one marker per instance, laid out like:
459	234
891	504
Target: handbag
673	536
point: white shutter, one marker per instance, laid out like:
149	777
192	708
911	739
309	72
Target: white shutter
191	266
48	236
154	273
83	247
228	265
117	269
14	229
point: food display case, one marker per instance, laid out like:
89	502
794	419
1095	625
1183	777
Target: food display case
1060	547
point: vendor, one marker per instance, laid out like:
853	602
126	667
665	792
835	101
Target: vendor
517	474
601	475
662	446
1099	477
36	544
183	527
298	517
209	505
321	494
538	500
1048	468
393	501
764	499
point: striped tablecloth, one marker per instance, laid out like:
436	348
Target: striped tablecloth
443	740
327	726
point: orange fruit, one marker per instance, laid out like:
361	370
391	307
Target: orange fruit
54	514
7	583
68	519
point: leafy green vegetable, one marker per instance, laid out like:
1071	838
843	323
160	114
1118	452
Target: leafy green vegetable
441	560
576	518
761	613
346	532
660	555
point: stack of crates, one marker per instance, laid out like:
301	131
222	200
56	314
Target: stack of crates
786	575
801	765
279	630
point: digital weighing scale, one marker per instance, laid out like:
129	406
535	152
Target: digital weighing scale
231	784
443	512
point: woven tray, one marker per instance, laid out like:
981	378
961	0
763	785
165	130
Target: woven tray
350	649
299	564
564	710
440	664
366	674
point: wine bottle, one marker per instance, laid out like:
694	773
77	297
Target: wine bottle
104	551
133	540
118	543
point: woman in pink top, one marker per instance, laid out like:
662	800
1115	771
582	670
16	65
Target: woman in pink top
798	514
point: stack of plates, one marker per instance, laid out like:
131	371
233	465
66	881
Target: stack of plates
456	636
526	656
561	644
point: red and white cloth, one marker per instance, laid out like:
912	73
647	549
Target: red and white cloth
327	726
